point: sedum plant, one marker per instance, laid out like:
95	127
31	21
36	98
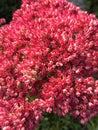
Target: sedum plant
48	64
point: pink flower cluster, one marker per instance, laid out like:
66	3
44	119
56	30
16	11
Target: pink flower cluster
48	63
2	21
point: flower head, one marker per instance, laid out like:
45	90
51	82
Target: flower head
48	63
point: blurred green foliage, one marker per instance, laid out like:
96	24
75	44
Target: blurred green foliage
53	121
92	6
7	7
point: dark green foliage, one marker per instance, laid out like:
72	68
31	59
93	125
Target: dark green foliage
55	122
7	7
93	124
92	6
